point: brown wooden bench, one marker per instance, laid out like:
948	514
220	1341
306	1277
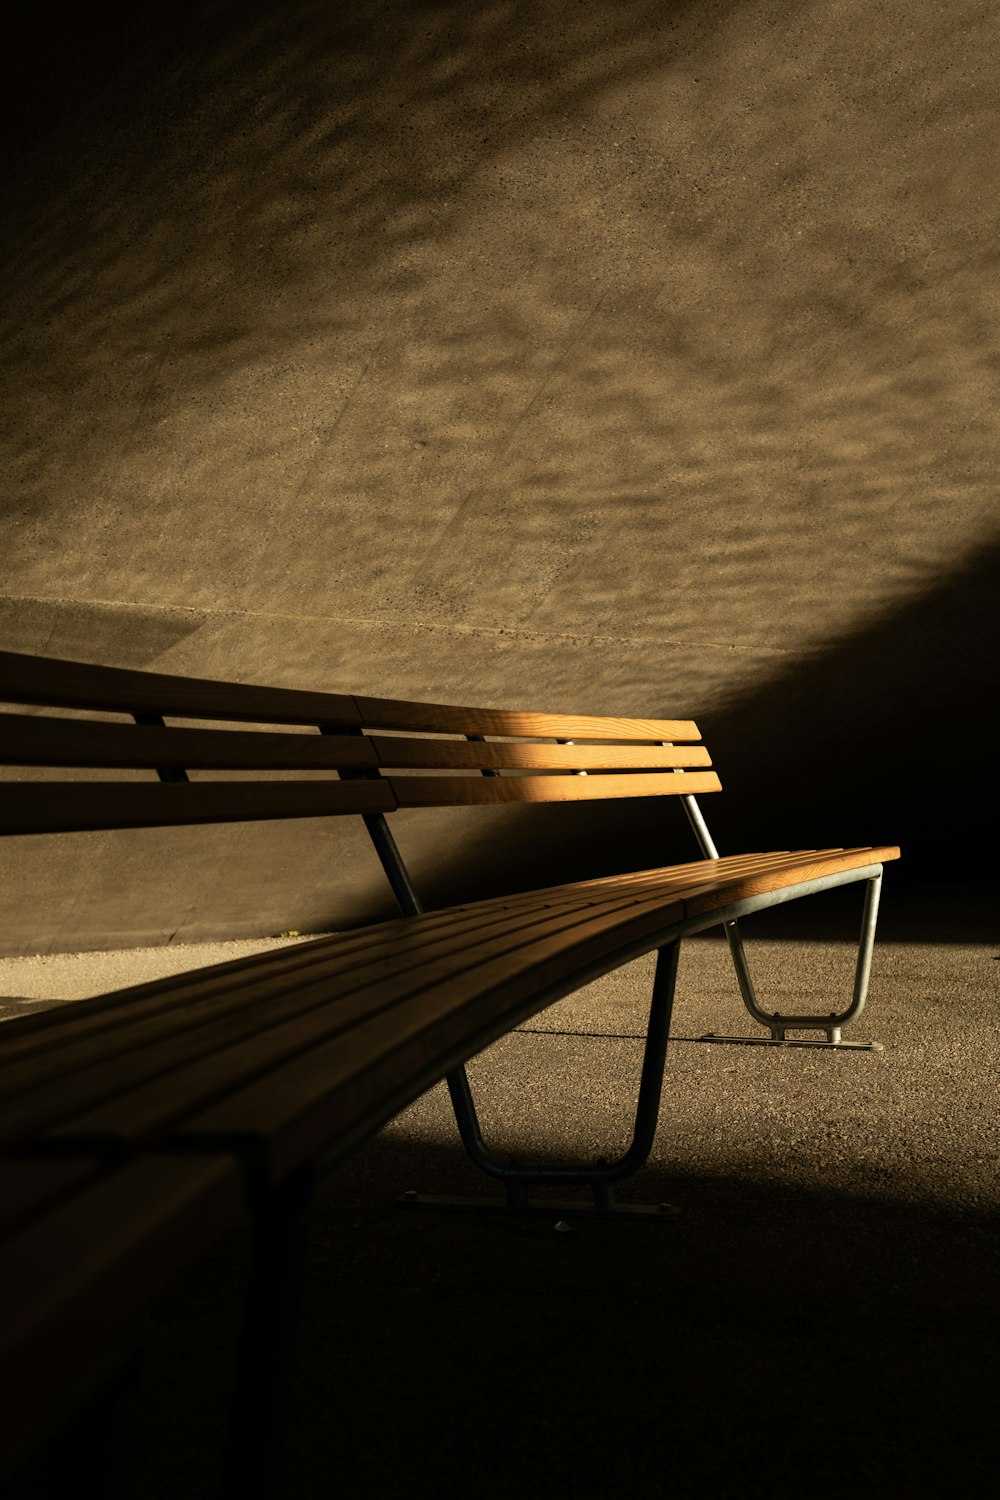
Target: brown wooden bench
84	1250
284	1060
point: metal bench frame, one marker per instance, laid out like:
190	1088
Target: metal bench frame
602	1176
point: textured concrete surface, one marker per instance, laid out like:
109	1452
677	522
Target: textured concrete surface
615	357
29	985
820	1320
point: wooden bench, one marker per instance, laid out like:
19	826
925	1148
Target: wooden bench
281	1061
84	1250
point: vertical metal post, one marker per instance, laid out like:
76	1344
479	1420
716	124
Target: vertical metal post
654	1057
707	846
776	1022
700	828
410	905
866	944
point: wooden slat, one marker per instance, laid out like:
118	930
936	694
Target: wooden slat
52	1043
62	807
455	791
726	889
138	1041
75	1277
50	1032
439	718
336	1093
380	1008
30	740
298	1002
107	1102
53	1033
72	684
142	1070
403	751
29	1188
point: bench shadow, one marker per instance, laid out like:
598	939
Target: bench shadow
772	1341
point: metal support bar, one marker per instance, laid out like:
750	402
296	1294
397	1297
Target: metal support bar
778	1023
396	872
410	905
700	828
599	1176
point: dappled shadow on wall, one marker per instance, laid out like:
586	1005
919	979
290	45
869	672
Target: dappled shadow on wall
222	155
883	738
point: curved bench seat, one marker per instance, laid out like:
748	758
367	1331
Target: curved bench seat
292	1054
121	1115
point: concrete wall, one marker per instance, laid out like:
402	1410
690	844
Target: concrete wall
625	356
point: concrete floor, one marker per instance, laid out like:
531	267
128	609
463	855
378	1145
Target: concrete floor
820	1319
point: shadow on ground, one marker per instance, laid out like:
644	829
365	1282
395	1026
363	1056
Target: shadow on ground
771	1342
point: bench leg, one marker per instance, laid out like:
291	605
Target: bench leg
267	1342
601	1176
779	1023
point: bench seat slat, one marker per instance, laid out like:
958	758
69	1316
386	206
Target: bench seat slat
338	1094
139	1038
30	740
73	1278
458	791
137	1093
50	1035
340	1091
51	1038
441	718
63	807
24	1036
61	1026
29	1188
73	684
399	1043
712	895
270	1015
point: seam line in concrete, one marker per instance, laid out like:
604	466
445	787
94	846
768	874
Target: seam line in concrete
387	622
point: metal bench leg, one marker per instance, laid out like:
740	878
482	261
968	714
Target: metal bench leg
779	1023
601	1176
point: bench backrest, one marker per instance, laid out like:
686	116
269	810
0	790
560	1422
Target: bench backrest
386	754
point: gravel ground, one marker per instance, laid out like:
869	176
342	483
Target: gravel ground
820	1318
